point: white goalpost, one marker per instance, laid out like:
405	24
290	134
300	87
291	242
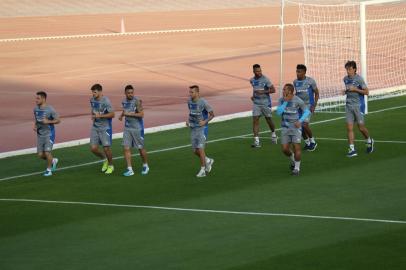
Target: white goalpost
372	33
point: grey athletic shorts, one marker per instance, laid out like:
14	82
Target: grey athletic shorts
291	135
198	136
100	137
44	144
133	138
259	110
354	114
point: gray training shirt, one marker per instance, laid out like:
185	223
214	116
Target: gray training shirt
40	114
132	122
258	84
101	106
291	113
354	98
198	111
305	89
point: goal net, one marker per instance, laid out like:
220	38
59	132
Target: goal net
372	33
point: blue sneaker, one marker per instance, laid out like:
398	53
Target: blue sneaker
352	153
128	173
47	173
145	170
312	147
54	164
370	146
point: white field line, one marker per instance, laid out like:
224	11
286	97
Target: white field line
193	30
211	211
185	146
333	139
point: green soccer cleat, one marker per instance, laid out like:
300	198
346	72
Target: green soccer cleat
105	166
110	169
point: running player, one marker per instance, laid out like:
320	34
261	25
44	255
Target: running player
133	135
262	87
101	134
291	125
45	117
355	90
306	89
200	113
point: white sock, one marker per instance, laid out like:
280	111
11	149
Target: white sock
312	140
145	165
203	168
307	141
48	169
130	168
256	139
273	134
292	157
207	159
297	165
352	147
369	140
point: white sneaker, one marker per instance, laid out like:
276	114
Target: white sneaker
202	173
209	164
54	164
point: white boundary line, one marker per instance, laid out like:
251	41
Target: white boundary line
225	117
204	210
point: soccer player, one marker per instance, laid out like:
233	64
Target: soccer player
262	87
200	113
291	125
133	135
355	90
45	117
306	89
101	134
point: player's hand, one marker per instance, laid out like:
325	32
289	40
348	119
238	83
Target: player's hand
202	123
120	117
187	123
34	128
353	88
298	124
252	98
45	121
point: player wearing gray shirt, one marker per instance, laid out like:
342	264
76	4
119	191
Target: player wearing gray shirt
101	132
306	89
200	113
355	91
291	125
45	117
133	135
262	87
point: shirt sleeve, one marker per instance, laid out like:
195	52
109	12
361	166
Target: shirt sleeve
362	83
53	114
207	106
108	107
313	84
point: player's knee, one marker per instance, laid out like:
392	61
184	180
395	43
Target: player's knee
94	148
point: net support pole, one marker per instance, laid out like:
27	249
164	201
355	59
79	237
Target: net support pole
363	48
122	26
281	27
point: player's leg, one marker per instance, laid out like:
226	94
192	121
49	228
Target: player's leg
127	143
106	138
144	158
297	157
359	117
271	126
350	118
308	137
285	142
138	141
256	114
198	142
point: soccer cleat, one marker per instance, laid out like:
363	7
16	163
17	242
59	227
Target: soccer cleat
145	170
105	166
209	165
274	139
307	147
370	146
352	153
110	169
256	145
128	173
201	173
312	147
47	173
295	172
54	164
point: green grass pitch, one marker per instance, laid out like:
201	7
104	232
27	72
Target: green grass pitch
249	213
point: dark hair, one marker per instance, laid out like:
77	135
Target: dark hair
196	87
302	67
42	94
290	87
97	87
351	64
128	87
256	66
